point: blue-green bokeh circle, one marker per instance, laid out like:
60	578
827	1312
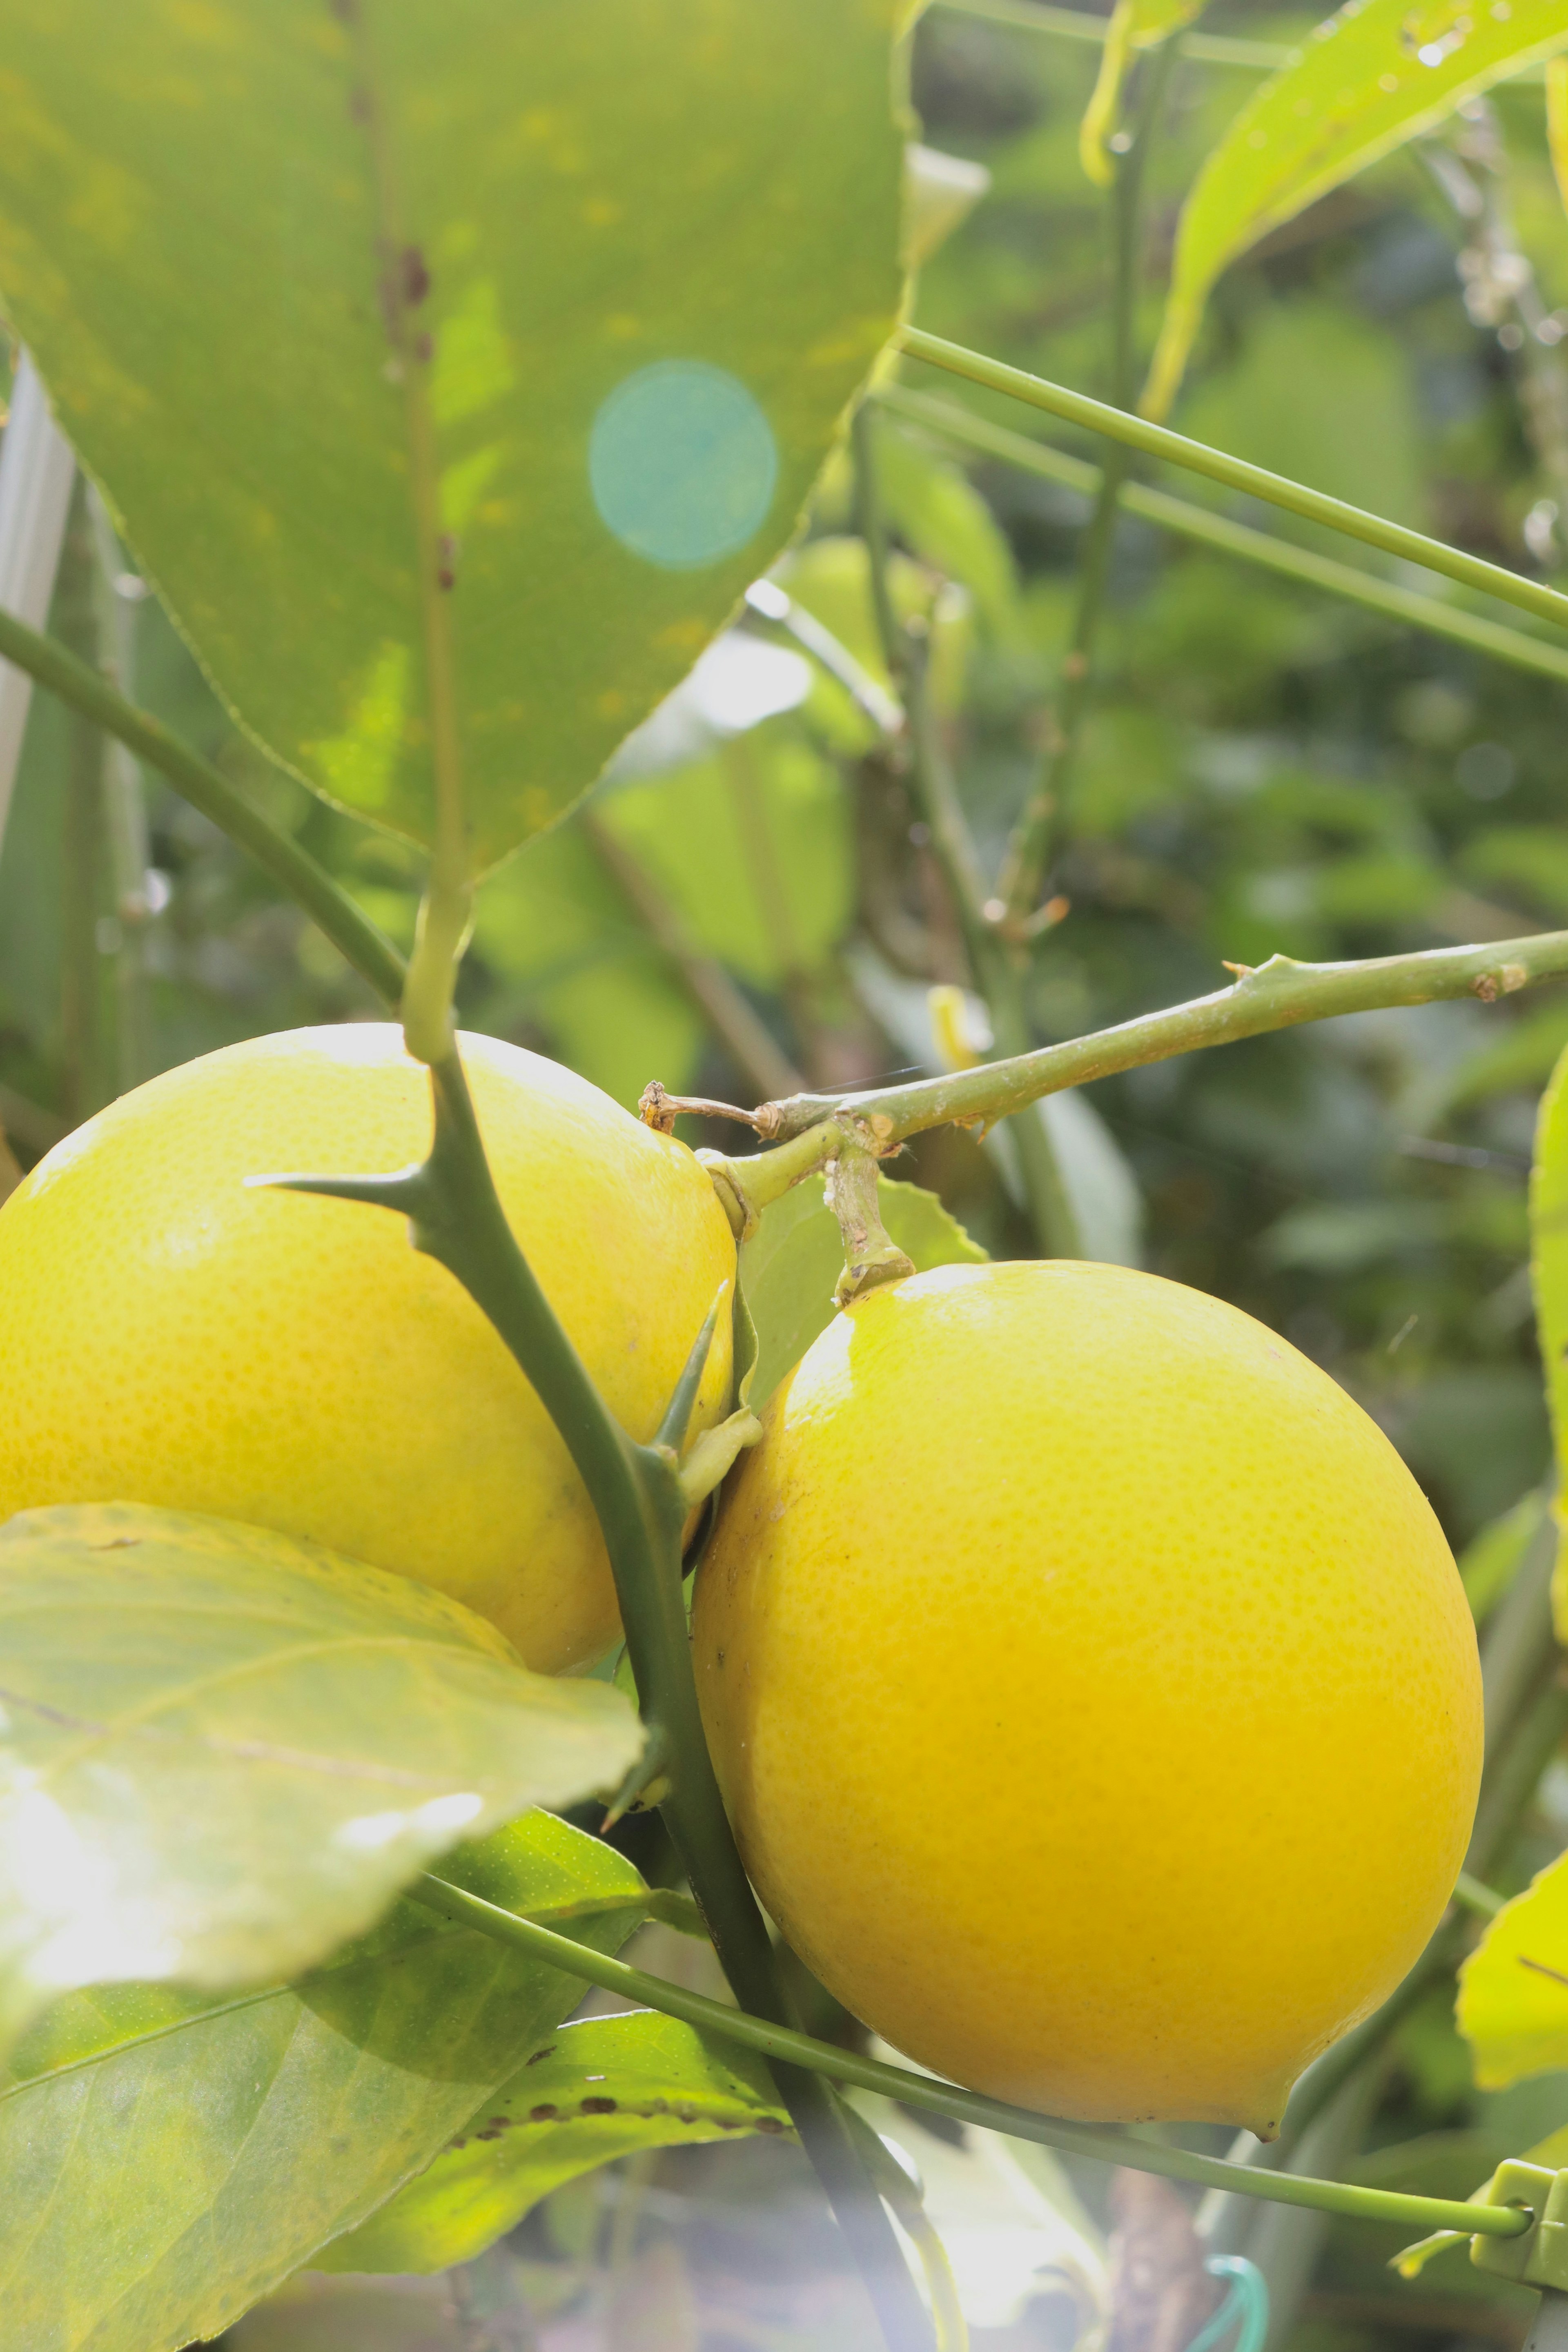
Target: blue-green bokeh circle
682	463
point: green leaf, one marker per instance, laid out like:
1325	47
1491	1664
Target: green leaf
221	1751
753	849
562	305
609	2086
1376	75
789	1267
1513	1990
557	931
1493	1557
942	517
169	2158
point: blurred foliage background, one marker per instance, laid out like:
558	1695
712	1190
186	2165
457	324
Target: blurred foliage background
747	903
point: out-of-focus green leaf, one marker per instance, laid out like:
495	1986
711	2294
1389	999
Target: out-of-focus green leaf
607	2087
752	848
1523	1059
221	1751
1322	395
940	192
1492	1559
555	927
1513	1988
1134	25
316	2313
545	322
1549	1229
169	2158
941	514
1530	858
1375	76
831	578
790	1264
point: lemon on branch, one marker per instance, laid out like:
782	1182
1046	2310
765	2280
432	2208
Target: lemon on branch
168	1336
1092	1689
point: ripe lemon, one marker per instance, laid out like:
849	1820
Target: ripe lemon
1092	1689
169	1337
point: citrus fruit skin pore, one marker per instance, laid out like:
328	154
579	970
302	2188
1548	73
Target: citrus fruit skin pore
1092	1689
169	1337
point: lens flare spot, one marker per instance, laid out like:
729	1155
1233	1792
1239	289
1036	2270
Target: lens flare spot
682	463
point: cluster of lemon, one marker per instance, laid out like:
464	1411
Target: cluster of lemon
1091	1684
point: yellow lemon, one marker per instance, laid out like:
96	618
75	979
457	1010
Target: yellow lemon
169	1337
1092	1689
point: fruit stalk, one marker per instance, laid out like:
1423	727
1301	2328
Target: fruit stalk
1102	2144
456	1217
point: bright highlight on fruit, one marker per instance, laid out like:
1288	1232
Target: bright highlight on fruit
1094	1692
169	1337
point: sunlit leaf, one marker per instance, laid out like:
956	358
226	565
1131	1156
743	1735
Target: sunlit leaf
1376	75
169	2158
1134	25
1557	120
1513	1990
499	340
789	1267
221	1751
609	2086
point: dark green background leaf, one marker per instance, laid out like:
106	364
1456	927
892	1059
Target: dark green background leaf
221	1751
169	2158
654	245
668	2086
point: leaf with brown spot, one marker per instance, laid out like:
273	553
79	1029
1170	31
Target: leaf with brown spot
666	2085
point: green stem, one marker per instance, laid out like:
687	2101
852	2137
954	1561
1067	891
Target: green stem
1023	867
1208	529
1078	25
83	689
1101	2145
1255	481
446	910
456	1217
996	969
1278	994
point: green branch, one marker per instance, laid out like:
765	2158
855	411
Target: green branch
1255	481
1278	994
1208	529
1078	25
1104	2146
1024	864
334	913
456	1217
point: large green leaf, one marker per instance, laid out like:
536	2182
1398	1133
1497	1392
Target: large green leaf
1376	75
559	304
790	1264
169	2158
221	1751
1513	1988
1548	1251
609	2086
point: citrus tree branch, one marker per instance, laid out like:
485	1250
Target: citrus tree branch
84	689
1278	994
1202	525
456	1217
1104	2146
1256	481
1023	864
996	968
1078	25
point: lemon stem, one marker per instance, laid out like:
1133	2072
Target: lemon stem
1102	2145
456	1217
